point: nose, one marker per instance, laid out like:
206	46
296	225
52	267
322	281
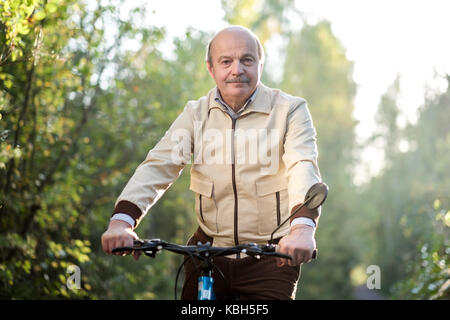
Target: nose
238	68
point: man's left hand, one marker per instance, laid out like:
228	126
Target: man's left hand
299	244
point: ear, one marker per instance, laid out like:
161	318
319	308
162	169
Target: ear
210	69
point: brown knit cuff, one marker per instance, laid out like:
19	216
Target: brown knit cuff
306	212
129	208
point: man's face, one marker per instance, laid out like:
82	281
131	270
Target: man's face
235	65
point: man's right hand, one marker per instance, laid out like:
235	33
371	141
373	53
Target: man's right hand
119	234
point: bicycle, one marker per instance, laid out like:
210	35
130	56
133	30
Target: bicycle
205	253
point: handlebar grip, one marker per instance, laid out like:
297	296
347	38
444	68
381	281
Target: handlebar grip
314	254
122	249
285	256
136	243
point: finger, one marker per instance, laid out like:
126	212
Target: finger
297	259
129	241
104	246
108	246
309	258
124	243
136	255
280	261
120	244
305	257
294	258
117	244
313	254
301	260
127	244
284	261
293	262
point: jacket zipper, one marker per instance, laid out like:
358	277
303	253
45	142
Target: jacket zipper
201	209
277	194
233	177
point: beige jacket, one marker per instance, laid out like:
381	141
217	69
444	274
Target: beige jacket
247	173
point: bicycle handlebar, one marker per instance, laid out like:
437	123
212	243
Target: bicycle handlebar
151	246
203	251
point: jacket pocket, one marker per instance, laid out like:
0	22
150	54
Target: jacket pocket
272	198
205	204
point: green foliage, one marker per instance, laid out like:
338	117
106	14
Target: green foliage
317	69
429	277
264	17
56	126
399	218
17	19
80	115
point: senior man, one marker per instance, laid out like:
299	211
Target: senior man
255	157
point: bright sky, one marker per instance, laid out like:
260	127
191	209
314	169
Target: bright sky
383	38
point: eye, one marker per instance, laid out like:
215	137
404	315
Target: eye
248	61
226	62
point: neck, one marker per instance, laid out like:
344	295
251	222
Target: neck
235	104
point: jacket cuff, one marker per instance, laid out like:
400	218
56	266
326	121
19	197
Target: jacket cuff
306	212
129	208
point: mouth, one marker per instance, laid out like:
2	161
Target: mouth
237	83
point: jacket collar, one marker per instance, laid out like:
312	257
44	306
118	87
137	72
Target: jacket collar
260	103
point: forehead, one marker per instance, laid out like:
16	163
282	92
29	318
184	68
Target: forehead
233	42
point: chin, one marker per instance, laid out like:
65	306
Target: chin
239	93
242	89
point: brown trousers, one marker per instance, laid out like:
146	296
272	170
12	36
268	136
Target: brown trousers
243	279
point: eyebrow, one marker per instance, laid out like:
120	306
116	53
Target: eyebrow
244	56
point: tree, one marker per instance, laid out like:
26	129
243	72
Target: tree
52	163
264	17
400	221
317	69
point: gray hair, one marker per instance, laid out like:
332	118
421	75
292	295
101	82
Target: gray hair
259	46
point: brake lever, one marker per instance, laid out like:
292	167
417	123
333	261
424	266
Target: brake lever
150	247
